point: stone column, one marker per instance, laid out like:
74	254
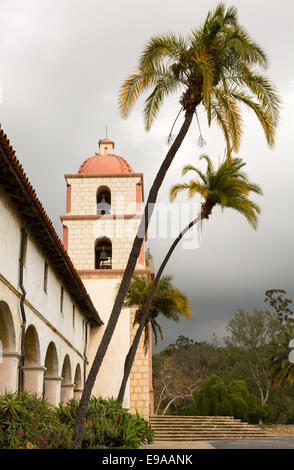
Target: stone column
67	393
9	372
33	379
78	393
52	389
139	379
151	390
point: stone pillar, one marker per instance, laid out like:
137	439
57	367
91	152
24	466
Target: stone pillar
78	393
139	378
52	387
151	390
9	372
67	393
33	379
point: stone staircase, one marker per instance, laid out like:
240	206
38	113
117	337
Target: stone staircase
203	428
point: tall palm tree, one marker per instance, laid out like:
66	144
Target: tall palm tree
216	67
281	369
226	186
167	301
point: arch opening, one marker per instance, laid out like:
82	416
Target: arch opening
51	361
103	200
33	372
51	384
78	386
8	356
7	330
103	253
32	347
66	382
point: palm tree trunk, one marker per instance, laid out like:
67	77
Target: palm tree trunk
133	349
134	254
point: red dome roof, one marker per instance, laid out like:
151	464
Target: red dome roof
105	162
105	165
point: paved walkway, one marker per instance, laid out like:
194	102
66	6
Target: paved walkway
178	445
278	443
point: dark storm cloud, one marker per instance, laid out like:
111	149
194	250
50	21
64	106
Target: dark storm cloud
61	65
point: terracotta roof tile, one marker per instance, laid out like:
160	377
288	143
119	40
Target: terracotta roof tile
104	165
11	172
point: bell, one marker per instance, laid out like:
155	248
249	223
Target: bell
103	206
103	255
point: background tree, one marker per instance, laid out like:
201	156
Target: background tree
199	360
217	66
280	304
216	398
173	386
253	333
182	342
281	358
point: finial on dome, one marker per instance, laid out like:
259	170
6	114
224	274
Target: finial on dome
106	146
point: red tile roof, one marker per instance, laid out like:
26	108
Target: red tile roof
105	165
21	192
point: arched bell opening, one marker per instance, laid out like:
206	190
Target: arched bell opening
103	200
103	253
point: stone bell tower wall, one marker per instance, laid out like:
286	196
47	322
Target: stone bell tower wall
125	195
83	227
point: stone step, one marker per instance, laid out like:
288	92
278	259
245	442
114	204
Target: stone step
197	423
211	431
193	428
209	436
190	416
214	433
206	431
155	420
176	423
213	438
196	418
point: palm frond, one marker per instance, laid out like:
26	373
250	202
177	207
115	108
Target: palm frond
249	51
176	189
193	168
227	186
220	118
165	85
163	46
264	118
232	115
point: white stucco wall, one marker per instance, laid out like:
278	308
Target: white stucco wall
102	292
42	310
10	239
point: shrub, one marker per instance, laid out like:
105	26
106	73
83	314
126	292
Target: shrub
108	424
29	422
216	398
24	419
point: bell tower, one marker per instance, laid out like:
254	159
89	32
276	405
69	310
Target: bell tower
103	212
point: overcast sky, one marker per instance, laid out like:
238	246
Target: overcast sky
61	65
